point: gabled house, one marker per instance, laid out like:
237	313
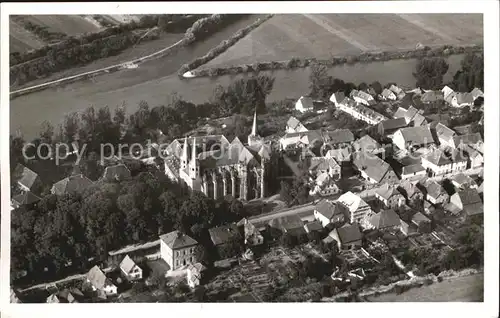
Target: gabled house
328	212
27	199
291	224
462	181
72	184
339	138
251	234
385	220
431	97
410	191
390	126
26	179
362	97
225	235
178	249
414	171
447	91
367	144
476	93
68	296
434	192
320	165
194	274
304	104
413	137
467	200
314	226
387	94
422	222
324	184
360	111
348	237
341	155
300	140
462	100
356	208
293	125
100	283
130	269
373	169
472	140
389	196
437	163
475	159
400	94
117	172
445	135
337	98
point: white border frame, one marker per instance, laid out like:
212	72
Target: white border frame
491	35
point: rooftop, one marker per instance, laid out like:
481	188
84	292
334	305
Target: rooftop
373	166
177	239
224	234
417	136
327	208
74	183
349	233
385	219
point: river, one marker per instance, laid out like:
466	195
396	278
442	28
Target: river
156	80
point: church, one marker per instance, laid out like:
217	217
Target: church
213	165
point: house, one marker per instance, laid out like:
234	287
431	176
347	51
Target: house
100	282
339	138
324	185
462	181
26	179
472	140
251	234
304	104
225	235
410	191
362	97
462	100
390	196
130	269
356	208
299	140
360	112
178	249
367	144
313	226
327	212
407	228
400	94
390	126
194	274
445	135
320	165
293	125
117	172
431	97
434	192
419	120
387	94
373	169
475	158
348	236
413	137
69	296
72	184
437	162
414	171
337	98
467	200
385	220
447	91
422	222
291	224
341	155
400	113
24	199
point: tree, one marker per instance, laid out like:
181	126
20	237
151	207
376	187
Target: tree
429	72
286	193
471	74
288	240
320	81
237	208
377	87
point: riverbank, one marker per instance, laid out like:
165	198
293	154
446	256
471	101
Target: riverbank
365	57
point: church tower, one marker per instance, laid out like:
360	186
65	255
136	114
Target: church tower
194	165
184	156
253	138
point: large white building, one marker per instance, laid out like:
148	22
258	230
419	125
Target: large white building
357	208
360	111
178	249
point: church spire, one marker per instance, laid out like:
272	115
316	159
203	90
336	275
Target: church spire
254	126
184	156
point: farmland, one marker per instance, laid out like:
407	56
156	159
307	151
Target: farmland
323	35
466	288
21	39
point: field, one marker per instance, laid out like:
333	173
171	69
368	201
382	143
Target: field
323	35
22	40
466	288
